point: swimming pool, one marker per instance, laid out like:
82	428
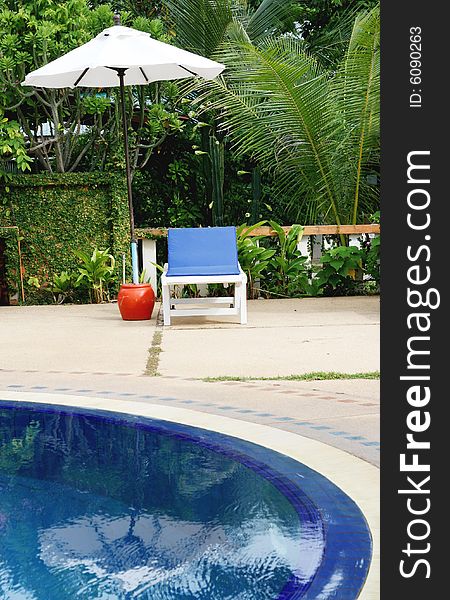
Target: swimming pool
106	505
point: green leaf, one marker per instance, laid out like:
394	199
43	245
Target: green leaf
336	264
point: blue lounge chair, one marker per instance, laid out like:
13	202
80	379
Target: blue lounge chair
203	255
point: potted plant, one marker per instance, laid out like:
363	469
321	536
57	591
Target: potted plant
136	300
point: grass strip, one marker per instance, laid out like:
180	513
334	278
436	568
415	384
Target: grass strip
314	376
153	354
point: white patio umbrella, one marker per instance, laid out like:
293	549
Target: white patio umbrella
121	56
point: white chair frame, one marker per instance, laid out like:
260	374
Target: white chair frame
238	302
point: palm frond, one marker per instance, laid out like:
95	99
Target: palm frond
330	44
269	18
201	25
354	95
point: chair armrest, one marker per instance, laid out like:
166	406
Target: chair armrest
242	272
164	274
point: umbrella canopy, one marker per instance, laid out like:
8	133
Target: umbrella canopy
121	56
144	59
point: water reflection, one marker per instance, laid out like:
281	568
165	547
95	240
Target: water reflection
89	509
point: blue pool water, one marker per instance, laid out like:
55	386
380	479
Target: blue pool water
102	505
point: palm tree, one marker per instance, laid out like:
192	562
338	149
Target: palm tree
315	128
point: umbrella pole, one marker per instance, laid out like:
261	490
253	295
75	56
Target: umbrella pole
134	252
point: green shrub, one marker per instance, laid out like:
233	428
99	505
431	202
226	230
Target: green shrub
287	273
372	259
63	286
340	267
253	258
96	273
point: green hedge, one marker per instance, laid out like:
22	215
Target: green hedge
11	236
57	214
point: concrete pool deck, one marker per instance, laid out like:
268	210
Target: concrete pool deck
88	352
282	337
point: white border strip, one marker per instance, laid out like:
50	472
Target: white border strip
356	478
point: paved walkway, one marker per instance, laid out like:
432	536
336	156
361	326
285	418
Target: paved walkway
90	351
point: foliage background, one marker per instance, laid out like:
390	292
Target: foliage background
165	121
200	156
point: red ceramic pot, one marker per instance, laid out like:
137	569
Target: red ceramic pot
136	301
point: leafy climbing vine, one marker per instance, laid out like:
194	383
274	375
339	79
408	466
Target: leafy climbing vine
58	215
